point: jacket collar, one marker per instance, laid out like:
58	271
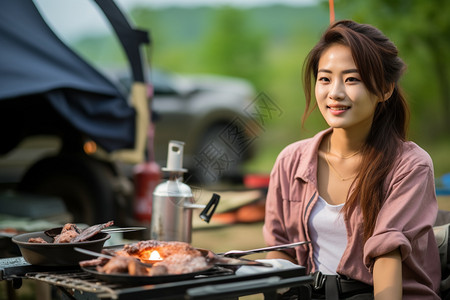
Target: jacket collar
307	169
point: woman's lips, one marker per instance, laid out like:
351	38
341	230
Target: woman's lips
338	110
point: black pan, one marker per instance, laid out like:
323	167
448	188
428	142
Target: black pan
62	254
127	279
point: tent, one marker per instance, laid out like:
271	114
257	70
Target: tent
43	82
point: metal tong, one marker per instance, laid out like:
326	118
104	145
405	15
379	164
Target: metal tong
122	229
240	253
55	231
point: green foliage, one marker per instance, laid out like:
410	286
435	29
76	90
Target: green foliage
421	30
232	46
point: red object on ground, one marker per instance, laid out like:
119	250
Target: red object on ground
225	218
251	213
256	180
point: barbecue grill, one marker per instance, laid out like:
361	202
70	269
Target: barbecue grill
217	283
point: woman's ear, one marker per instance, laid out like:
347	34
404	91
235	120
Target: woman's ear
389	92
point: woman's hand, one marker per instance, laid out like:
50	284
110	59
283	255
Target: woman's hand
387	276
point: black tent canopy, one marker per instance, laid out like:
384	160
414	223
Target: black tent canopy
35	65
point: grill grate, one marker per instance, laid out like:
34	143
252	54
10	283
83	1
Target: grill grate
81	281
80	284
85	282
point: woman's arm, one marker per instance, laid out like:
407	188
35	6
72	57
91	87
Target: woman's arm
387	276
282	255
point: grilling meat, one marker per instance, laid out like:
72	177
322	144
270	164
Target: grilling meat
70	233
123	264
176	258
182	263
91	231
100	261
37	240
164	249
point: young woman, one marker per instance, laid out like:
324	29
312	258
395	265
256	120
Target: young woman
361	193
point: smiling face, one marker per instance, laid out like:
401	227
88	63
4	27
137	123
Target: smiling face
342	97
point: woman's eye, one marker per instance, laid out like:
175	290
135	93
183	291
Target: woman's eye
323	79
352	79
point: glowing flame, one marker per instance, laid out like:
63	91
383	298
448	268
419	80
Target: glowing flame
150	256
154	256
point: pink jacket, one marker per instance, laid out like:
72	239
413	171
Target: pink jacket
405	220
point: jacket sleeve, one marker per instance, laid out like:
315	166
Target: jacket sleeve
274	229
408	213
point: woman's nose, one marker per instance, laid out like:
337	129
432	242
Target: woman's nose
337	91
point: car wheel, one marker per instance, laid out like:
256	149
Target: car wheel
79	181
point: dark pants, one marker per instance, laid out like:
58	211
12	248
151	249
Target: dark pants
365	296
336	287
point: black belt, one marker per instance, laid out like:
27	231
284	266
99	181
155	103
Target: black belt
335	287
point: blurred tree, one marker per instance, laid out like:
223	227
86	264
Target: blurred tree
421	30
232	47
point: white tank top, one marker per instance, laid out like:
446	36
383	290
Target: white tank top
328	235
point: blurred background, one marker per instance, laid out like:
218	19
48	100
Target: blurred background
232	69
219	71
236	61
265	42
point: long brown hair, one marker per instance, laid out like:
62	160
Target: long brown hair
379	66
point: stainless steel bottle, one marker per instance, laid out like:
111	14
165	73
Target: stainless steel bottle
173	202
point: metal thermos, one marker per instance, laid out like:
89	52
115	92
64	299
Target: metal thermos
173	202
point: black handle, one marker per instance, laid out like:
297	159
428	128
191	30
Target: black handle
210	208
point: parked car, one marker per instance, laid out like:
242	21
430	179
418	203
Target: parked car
212	114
